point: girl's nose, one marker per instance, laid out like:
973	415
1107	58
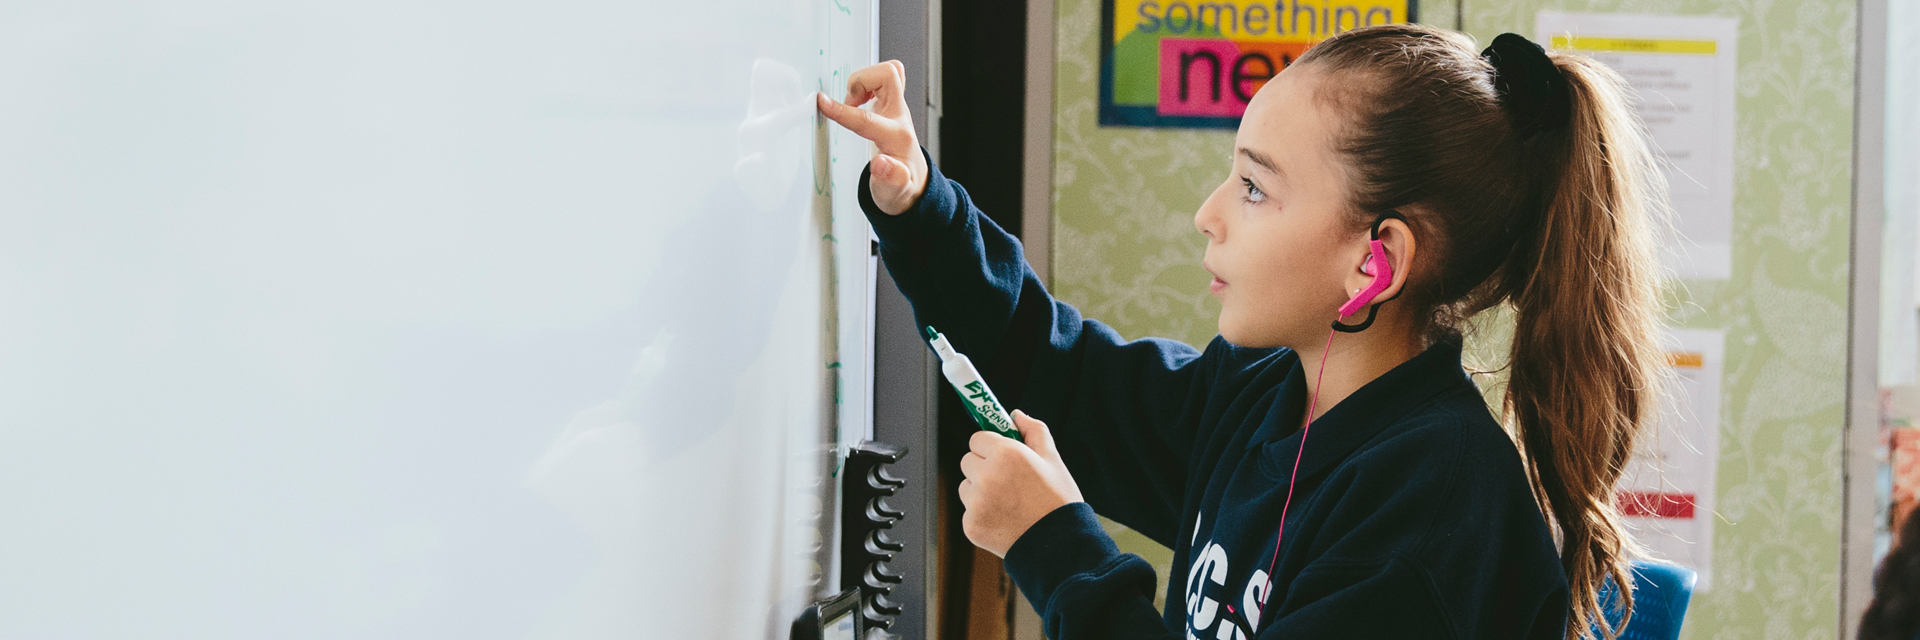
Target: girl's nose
1207	223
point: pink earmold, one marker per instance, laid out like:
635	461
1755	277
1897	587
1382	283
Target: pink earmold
1382	278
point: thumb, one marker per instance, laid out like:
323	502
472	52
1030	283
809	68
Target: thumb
1035	433
892	184
890	171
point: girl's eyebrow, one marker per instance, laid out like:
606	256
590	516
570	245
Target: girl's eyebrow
1266	162
1261	159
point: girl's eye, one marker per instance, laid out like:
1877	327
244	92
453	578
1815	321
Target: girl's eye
1254	194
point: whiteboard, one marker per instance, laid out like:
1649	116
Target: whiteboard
416	319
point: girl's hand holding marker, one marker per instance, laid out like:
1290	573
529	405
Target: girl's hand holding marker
1010	485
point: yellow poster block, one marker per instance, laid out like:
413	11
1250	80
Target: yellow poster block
1635	45
1252	20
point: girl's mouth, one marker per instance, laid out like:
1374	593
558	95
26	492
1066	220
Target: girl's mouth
1216	285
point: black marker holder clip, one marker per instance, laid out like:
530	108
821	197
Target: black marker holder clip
865	520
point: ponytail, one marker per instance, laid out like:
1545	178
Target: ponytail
1585	355
1551	218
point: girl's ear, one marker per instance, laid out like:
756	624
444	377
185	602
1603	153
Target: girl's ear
1396	237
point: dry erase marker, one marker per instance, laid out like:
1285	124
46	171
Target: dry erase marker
980	402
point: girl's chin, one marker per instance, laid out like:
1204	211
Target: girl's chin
1241	336
1246	333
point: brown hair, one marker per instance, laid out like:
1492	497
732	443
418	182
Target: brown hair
1894	613
1556	223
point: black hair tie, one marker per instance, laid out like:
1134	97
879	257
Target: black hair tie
1532	89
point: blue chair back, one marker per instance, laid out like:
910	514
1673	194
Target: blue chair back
1660	595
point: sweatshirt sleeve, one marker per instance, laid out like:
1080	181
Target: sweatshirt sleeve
1081	584
1120	411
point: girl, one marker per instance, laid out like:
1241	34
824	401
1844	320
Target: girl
1394	183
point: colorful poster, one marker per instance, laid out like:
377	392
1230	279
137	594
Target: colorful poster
1667	491
1192	63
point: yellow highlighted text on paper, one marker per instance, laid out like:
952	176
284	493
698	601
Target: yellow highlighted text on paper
1635	45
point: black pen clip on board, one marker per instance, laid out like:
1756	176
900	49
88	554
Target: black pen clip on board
866	522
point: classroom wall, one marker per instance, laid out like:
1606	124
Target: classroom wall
1777	549
1125	251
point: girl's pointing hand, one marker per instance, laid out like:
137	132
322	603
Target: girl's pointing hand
1010	485
899	171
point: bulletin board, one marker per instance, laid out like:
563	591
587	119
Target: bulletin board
1187	63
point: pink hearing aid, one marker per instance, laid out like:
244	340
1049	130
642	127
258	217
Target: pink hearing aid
1382	272
1382	277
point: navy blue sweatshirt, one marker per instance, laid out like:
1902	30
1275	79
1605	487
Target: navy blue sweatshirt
1412	516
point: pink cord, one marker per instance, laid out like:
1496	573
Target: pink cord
1313	403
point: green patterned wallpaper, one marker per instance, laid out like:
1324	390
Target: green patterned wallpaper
1126	253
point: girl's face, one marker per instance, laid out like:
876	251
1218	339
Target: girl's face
1280	243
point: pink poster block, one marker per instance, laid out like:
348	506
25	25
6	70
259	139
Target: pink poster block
1195	77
